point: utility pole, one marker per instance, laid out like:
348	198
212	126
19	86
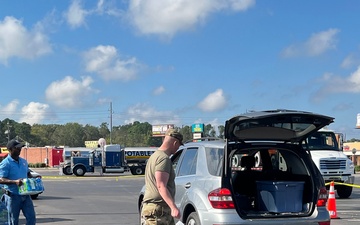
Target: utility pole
111	112
8	130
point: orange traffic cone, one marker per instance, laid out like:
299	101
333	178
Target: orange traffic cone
332	202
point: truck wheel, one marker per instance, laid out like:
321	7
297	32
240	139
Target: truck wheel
137	171
67	170
79	171
344	191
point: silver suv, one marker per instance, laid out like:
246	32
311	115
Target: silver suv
261	174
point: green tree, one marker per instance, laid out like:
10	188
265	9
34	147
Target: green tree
8	130
353	140
221	129
154	141
74	134
43	135
59	136
23	132
186	131
209	131
119	135
4	132
138	134
91	133
70	134
104	131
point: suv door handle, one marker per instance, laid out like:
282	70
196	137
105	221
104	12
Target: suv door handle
187	185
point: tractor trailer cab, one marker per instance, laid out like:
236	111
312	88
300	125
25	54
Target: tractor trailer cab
68	153
108	159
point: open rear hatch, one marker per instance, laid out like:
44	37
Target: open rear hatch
266	169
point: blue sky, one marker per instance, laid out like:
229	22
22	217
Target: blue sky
179	62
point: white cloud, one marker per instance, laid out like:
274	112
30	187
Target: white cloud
35	112
167	17
145	113
159	90
321	42
105	61
17	41
316	45
213	102
332	84
241	5
8	110
107	8
76	15
70	93
350	61
353	82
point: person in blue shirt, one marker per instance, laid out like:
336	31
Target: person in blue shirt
12	170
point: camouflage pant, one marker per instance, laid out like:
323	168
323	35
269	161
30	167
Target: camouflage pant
156	214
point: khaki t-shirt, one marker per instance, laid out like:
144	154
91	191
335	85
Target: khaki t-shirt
158	161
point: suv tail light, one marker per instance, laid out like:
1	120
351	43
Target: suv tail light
221	199
323	196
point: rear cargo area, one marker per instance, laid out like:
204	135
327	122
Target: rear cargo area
278	187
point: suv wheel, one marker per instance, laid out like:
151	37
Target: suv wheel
193	219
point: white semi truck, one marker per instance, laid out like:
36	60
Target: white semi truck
326	148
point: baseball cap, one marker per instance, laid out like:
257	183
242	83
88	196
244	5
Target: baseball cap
14	144
175	134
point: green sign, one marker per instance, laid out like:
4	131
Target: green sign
197	128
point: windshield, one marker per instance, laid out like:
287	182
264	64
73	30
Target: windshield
322	141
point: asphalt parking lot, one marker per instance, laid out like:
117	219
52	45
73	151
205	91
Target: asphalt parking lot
92	199
112	199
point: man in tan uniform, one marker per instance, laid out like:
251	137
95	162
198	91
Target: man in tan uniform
158	204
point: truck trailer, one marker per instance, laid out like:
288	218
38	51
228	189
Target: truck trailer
136	158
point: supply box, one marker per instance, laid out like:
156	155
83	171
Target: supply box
280	196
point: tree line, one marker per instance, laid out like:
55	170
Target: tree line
136	134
